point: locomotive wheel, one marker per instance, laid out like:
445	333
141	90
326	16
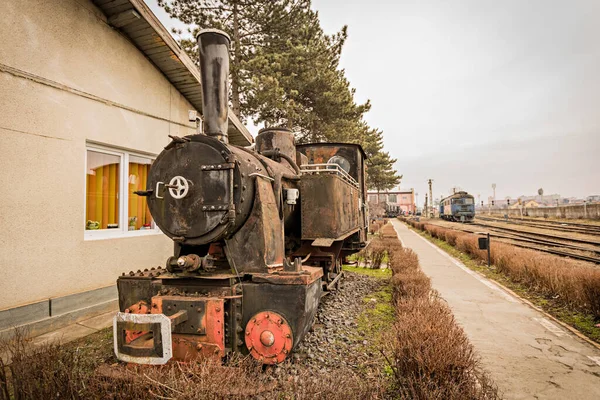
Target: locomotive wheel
268	337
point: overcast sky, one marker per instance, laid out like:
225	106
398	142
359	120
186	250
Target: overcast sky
475	92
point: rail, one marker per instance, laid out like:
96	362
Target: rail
329	168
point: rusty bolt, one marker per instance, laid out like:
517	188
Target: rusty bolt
218	309
287	335
285	351
244	187
247	333
154	305
280	321
131	273
267	315
145	269
123	274
199	347
239	342
216	351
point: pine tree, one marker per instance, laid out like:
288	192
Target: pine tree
285	72
381	174
248	23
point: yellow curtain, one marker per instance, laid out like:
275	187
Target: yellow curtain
138	206
102	195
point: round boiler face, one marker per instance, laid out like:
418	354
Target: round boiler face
191	189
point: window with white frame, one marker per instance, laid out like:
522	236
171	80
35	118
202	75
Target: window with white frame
111	207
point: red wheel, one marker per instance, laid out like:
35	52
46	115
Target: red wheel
269	337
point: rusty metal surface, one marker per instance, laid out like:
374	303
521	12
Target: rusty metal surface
260	242
280	139
331	210
307	276
205	324
269	337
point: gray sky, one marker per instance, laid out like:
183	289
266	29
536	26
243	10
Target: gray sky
475	92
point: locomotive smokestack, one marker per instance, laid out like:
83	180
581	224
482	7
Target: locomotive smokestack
213	49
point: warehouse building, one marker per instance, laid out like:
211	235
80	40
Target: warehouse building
397	201
90	92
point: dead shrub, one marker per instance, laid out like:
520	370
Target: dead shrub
433	358
431	355
404	260
409	284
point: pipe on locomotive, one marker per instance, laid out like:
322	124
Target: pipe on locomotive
213	49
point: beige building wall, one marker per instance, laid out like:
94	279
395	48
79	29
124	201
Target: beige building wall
43	136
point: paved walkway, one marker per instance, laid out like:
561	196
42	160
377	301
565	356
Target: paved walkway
528	356
77	330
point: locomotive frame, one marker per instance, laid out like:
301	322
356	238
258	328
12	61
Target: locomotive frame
258	235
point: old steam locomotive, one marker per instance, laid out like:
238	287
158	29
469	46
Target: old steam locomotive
258	234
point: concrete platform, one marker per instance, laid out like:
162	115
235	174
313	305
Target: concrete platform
77	330
527	355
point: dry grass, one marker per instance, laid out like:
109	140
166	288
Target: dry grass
428	353
65	372
575	285
432	357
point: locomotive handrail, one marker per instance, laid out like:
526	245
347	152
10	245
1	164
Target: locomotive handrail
329	168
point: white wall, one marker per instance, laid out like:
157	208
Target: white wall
43	134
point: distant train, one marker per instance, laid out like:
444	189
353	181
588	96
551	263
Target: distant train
458	207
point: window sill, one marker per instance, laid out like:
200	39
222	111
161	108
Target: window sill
109	234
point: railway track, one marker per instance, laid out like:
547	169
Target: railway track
553	244
539	234
570	227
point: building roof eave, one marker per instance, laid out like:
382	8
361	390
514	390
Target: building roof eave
139	25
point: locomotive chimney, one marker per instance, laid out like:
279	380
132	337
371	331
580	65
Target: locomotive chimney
213	49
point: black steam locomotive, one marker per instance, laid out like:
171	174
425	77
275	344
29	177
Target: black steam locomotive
258	235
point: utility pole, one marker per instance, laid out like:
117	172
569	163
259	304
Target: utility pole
430	182
494	189
416	202
426	207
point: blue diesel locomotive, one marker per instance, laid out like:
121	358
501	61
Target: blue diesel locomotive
458	207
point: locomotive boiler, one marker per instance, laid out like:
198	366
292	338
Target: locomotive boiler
258	234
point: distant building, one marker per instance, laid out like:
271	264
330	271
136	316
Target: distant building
397	200
593	199
531	204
